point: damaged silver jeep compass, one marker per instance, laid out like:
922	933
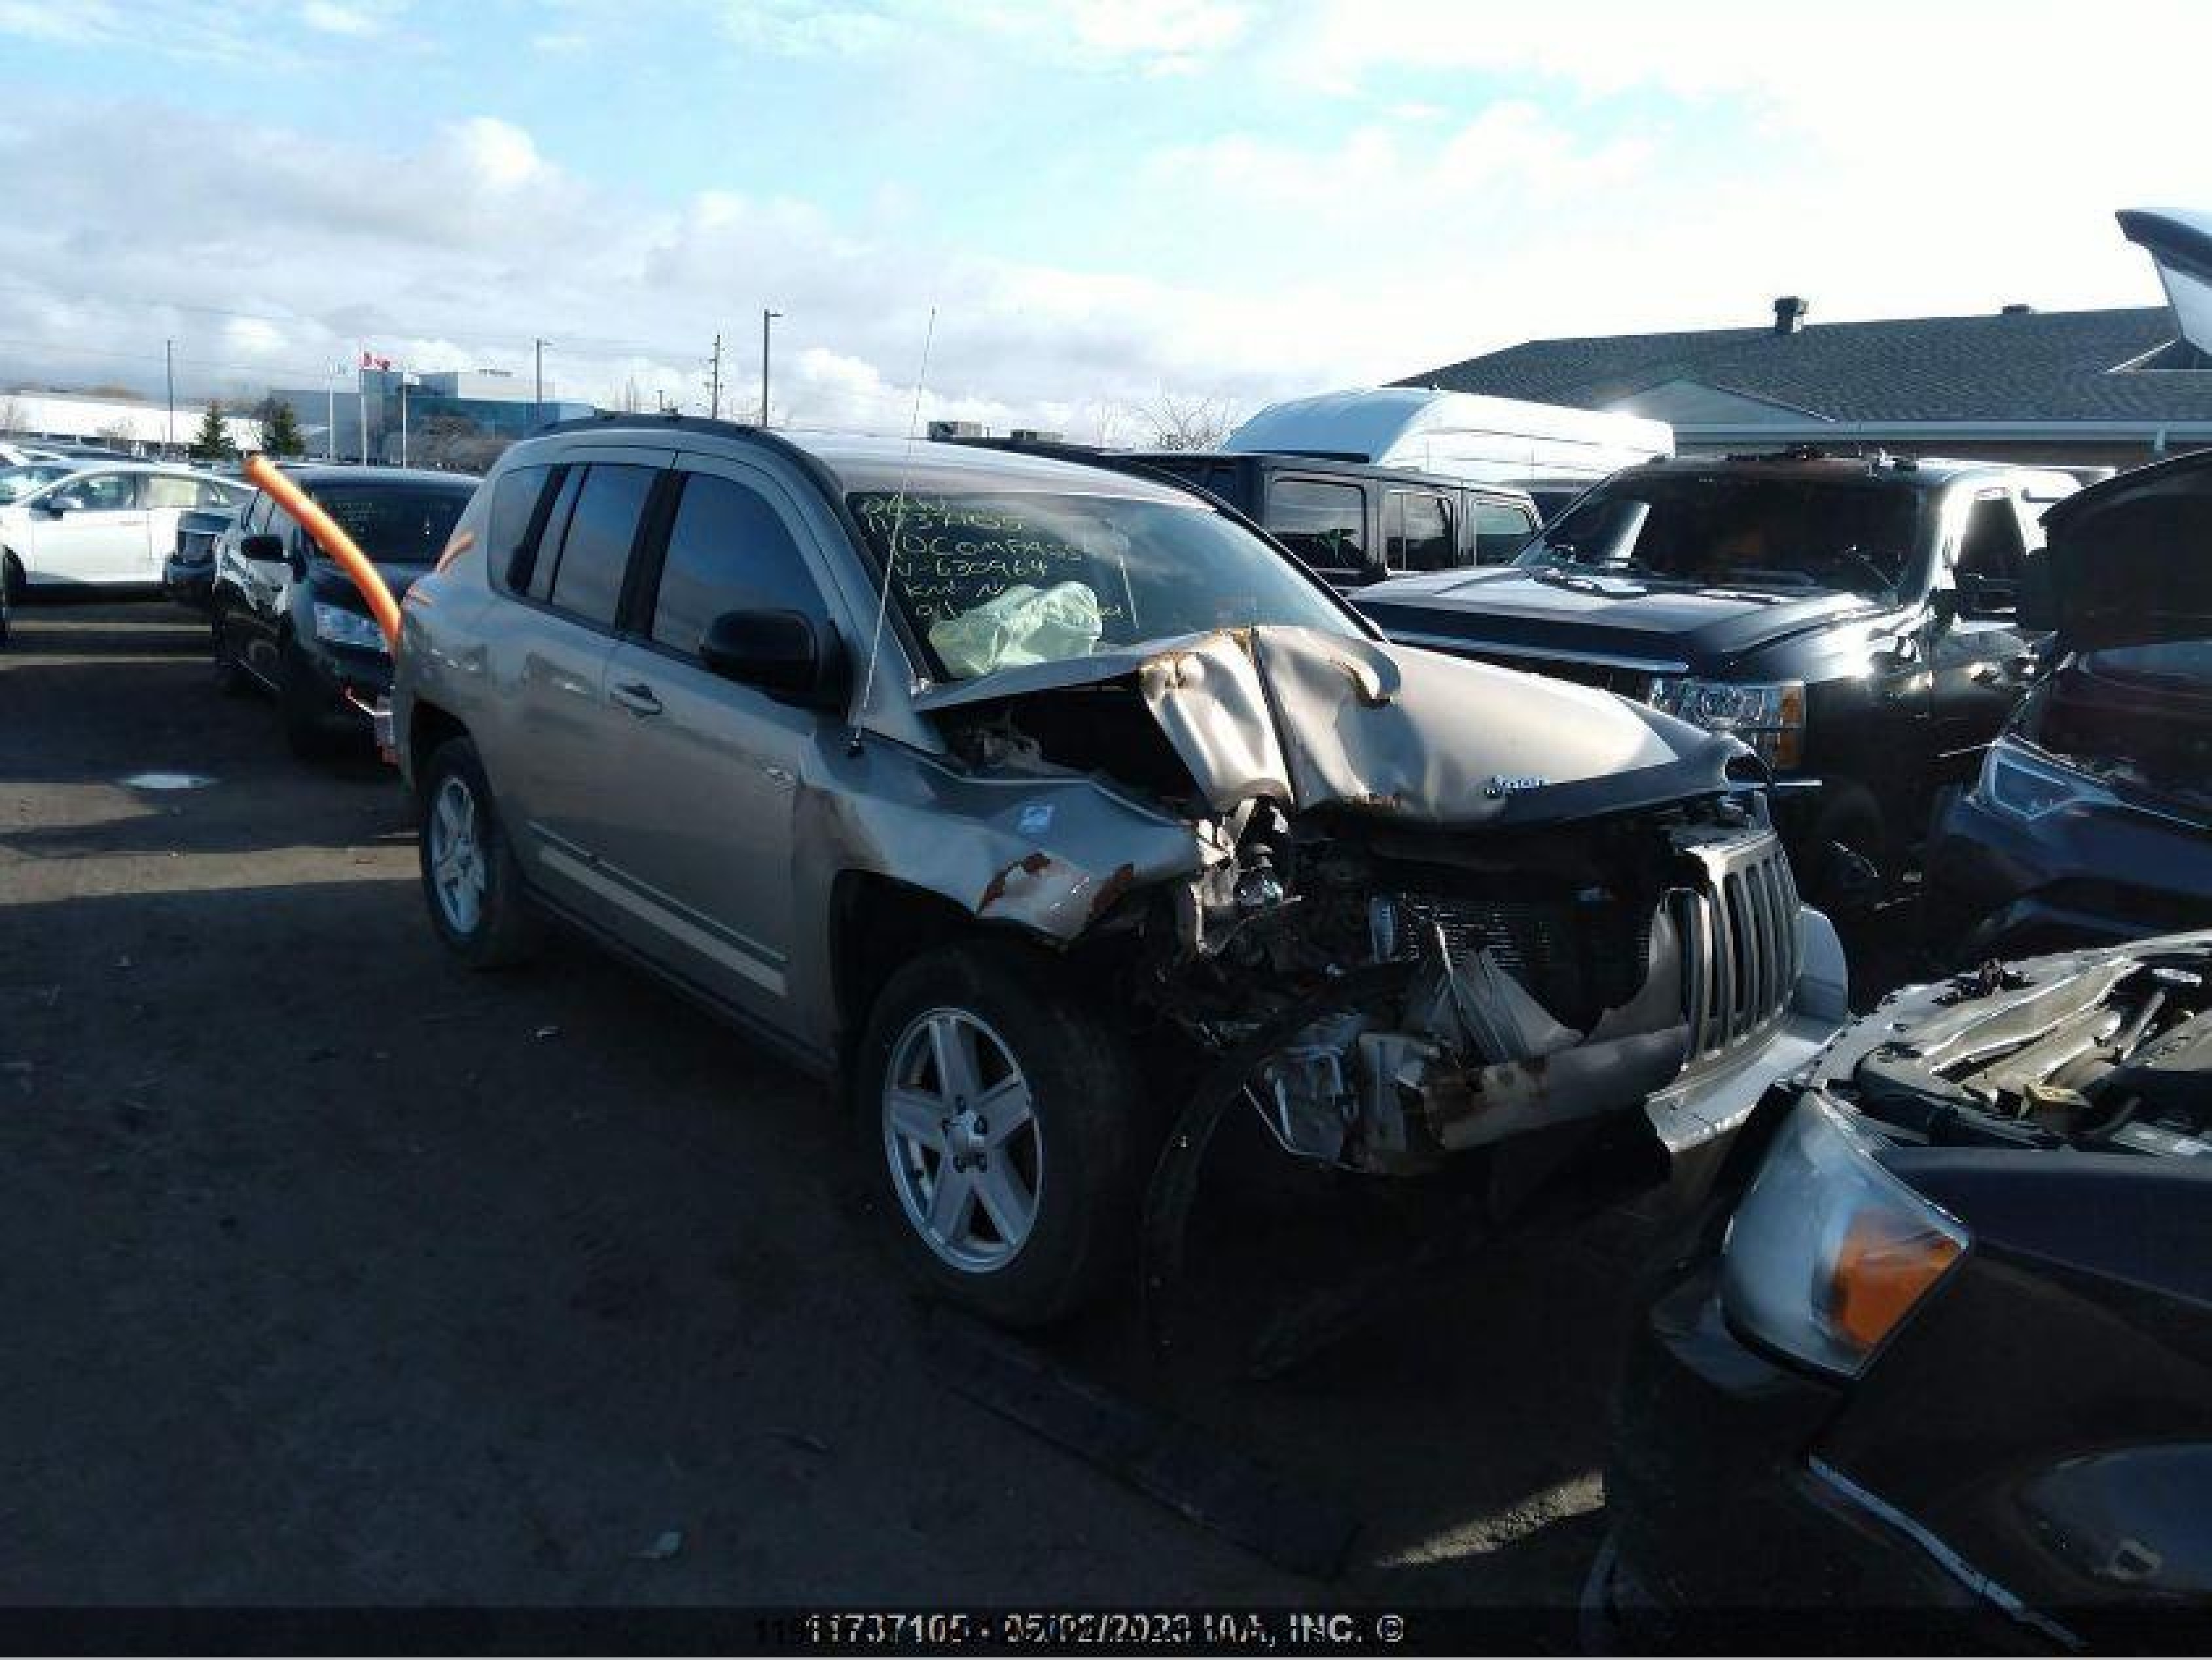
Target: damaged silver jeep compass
1059	811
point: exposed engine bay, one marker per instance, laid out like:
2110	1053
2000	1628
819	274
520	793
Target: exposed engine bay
2108	1050
1416	990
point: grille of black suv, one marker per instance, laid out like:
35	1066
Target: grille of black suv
1628	682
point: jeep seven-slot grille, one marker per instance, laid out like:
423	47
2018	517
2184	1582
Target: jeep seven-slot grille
1740	956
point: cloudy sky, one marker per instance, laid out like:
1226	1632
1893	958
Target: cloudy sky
1103	201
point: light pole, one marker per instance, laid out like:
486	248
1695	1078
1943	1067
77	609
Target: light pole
538	397
403	415
767	318
330	411
169	377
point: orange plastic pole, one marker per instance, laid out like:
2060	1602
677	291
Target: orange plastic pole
333	541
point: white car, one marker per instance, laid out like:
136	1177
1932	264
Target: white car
107	523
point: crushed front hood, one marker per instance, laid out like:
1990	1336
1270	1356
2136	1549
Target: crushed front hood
1324	721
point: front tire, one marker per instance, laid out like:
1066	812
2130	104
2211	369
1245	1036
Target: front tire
11	594
230	676
469	875
305	711
1006	1118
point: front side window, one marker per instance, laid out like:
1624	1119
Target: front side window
1740	530
993	580
1992	549
595	554
1324	524
1417	526
728	549
1500	532
98	492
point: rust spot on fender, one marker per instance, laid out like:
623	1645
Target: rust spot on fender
1029	864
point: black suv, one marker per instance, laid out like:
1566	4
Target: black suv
1854	620
1353	522
286	619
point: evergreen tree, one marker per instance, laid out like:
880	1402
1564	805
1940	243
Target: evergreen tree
280	429
212	441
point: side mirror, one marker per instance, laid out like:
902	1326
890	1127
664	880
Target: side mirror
49	508
780	651
263	550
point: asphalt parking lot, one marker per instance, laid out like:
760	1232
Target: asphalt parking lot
336	1274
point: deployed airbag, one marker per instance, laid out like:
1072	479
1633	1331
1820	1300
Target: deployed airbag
1021	626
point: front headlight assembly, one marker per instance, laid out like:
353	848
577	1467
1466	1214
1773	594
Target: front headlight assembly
1829	1252
338	626
2017	782
1769	716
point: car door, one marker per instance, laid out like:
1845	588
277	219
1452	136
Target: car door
1978	655
165	497
712	770
91	528
555	749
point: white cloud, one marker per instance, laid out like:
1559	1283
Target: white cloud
355	22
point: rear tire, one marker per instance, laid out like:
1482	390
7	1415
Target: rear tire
1005	1121
470	878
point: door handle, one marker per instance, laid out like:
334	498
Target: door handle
637	697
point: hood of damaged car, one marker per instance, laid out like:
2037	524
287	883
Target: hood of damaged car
1325	720
2129	561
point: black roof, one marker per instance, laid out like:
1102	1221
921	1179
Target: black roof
331	472
2027	365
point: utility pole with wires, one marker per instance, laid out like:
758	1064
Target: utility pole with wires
767	317
715	382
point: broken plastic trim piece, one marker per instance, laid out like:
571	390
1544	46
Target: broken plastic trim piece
379	722
1173	1191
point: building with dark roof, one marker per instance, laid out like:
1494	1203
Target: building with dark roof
2083	387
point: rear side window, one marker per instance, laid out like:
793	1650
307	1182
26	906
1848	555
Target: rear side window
1499	530
1325	524
595	554
166	491
728	549
511	526
545	552
1416	525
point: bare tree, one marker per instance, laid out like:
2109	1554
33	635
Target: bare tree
12	415
453	443
118	434
1181	423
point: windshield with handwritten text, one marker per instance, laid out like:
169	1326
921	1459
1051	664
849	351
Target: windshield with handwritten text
996	580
